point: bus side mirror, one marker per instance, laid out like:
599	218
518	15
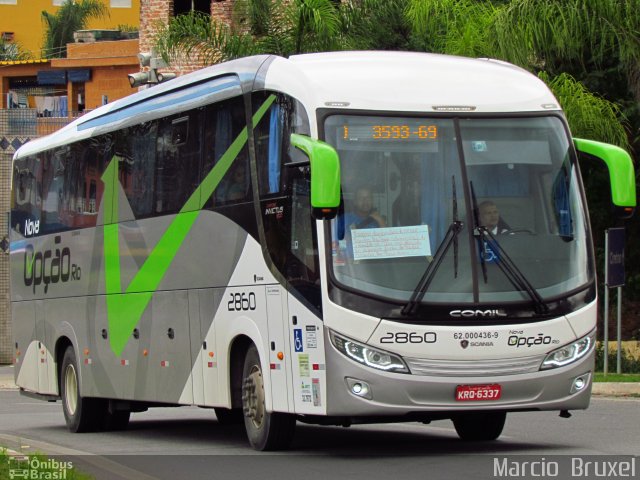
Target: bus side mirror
621	173
325	175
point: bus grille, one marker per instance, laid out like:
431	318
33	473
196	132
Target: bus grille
474	368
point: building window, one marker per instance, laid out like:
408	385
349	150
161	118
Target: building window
8	2
120	3
185	6
57	3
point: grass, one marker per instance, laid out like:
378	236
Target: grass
38	466
614	377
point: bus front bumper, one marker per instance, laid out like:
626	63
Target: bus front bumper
357	390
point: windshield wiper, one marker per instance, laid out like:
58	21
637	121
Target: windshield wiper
429	273
502	260
427	277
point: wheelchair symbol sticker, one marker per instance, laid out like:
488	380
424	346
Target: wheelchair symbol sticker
488	254
297	340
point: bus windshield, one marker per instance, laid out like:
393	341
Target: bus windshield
508	186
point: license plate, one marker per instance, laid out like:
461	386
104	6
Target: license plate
478	393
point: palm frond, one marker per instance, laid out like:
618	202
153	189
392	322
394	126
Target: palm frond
589	115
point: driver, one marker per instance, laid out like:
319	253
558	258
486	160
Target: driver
489	217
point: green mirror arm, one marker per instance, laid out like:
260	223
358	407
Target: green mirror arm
325	170
621	171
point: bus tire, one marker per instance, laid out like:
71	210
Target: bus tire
115	419
81	414
229	416
479	426
265	430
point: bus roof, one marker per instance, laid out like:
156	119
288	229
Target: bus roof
363	80
409	81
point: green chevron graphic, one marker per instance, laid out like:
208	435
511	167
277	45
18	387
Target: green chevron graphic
124	309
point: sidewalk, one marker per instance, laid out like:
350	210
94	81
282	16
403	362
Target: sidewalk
604	389
6	378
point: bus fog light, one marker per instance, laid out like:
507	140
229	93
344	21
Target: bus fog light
359	388
580	383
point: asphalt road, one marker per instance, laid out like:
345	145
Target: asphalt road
187	442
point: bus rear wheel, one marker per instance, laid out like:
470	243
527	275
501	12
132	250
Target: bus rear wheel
265	430
479	426
81	414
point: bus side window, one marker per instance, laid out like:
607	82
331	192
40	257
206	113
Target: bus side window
135	152
83	187
223	122
53	184
177	160
26	201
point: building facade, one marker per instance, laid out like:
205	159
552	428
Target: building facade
21	20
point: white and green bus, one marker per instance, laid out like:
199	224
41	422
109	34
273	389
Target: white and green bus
203	242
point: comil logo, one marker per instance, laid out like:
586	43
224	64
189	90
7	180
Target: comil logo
492	313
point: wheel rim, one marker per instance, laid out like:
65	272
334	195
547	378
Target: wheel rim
71	389
253	397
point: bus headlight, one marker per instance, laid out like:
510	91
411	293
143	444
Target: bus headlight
368	356
569	353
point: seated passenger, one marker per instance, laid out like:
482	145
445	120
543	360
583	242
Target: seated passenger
234	186
363	214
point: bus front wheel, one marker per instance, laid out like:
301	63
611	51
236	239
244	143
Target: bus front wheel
265	430
479	426
81	414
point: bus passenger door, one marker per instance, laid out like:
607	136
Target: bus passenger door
308	364
205	371
279	361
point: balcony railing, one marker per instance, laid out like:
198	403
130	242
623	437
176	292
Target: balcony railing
19	125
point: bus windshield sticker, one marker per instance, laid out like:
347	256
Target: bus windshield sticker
391	242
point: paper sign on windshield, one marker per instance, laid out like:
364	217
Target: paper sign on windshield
392	242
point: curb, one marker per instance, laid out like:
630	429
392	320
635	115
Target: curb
616	389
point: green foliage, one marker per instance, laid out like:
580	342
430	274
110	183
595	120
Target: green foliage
628	364
454	27
195	35
70	17
614	377
127	28
12	51
375	25
577	31
589	115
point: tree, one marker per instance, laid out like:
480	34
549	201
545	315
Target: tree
11	51
71	16
546	37
280	27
